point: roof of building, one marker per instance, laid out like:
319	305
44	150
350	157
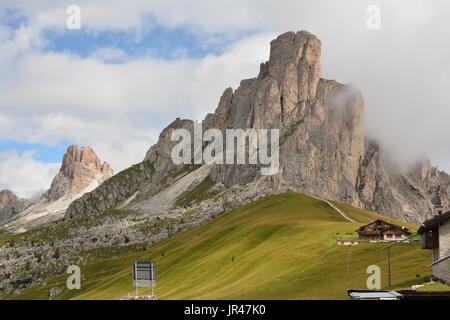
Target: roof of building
434	222
403	229
398	295
439	261
373	295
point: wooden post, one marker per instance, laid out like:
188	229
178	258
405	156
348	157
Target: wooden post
389	254
389	266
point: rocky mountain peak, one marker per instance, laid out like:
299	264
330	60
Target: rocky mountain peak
86	156
295	60
80	169
10	205
81	172
287	90
323	147
7	197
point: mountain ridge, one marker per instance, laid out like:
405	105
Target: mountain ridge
323	147
323	152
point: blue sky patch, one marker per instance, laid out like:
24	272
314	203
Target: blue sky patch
12	18
158	42
44	153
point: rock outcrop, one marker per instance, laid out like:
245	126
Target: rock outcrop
80	169
10	205
323	147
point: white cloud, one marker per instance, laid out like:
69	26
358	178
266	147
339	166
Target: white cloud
24	175
110	55
5	33
118	109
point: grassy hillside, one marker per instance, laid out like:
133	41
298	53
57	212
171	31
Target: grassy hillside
279	247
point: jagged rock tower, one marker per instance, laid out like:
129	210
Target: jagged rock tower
80	169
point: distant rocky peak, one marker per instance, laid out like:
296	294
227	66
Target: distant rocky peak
7	196
10	205
81	168
86	156
5	192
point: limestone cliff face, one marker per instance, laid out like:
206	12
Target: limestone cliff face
80	169
324	150
321	121
10	205
323	146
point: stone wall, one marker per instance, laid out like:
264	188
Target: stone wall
444	239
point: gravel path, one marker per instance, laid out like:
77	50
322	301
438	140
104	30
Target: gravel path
334	207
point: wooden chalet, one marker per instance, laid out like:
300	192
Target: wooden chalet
380	230
435	235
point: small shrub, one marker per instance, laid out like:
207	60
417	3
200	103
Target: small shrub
56	255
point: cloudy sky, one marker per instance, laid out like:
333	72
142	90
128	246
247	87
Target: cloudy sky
134	66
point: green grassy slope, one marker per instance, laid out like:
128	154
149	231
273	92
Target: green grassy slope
279	247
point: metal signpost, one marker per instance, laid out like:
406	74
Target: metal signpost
144	275
389	256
